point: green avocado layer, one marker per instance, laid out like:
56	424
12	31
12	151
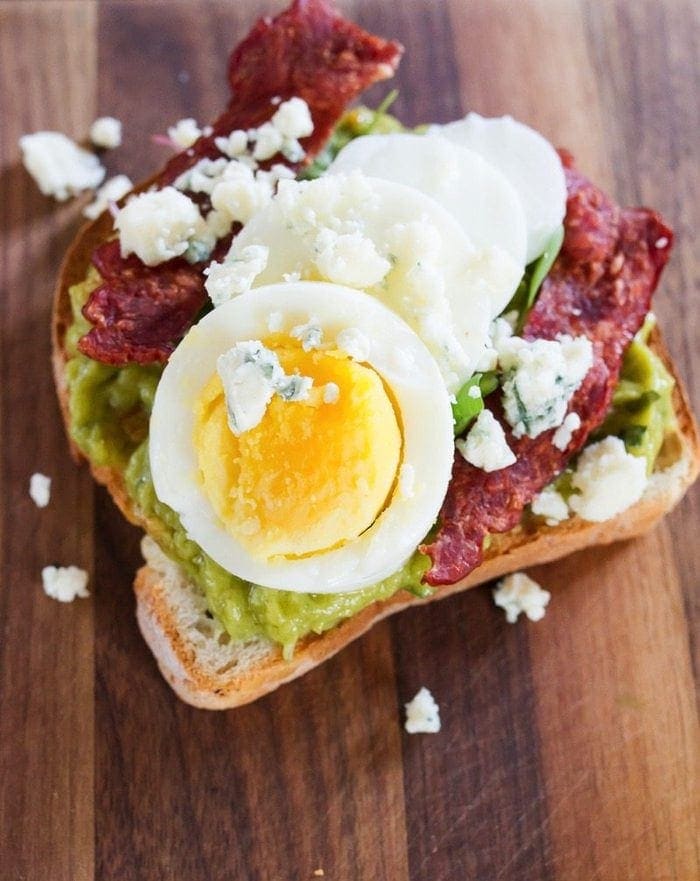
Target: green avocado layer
109	413
642	407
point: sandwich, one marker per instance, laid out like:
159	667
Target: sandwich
334	367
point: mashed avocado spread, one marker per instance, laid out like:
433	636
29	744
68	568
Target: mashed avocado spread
109	413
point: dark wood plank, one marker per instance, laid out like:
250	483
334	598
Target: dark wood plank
46	649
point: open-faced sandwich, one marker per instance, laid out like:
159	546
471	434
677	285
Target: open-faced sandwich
334	367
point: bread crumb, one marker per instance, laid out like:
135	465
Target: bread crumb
319	873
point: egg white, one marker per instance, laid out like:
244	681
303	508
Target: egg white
530	163
407	368
476	193
462	288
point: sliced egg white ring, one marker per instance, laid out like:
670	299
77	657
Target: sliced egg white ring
407	369
408	252
530	163
476	193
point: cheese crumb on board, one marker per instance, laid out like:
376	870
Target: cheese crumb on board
59	166
157	226
608	479
40	489
64	583
106	132
518	593
486	446
110	191
422	714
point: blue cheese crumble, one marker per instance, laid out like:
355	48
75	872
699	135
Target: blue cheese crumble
331	393
541	377
106	132
185	132
64	583
422	714
59	166
607	480
40	489
158	225
310	335
236	274
518	593
111	191
565	432
486	446
354	343
251	374
551	505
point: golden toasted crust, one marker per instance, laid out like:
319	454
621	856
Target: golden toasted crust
188	656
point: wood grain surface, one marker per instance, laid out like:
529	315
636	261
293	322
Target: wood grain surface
570	748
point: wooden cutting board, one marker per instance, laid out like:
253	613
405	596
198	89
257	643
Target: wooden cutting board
569	748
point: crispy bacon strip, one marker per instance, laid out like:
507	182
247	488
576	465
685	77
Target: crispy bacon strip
600	287
309	51
138	314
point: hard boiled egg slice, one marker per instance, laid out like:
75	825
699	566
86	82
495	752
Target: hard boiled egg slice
529	162
396	244
328	493
473	191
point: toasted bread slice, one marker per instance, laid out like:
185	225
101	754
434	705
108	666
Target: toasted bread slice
195	654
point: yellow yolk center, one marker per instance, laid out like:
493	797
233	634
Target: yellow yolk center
311	475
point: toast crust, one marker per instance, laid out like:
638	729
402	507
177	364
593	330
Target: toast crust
184	656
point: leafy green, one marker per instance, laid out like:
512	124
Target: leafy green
535	274
467	405
633	435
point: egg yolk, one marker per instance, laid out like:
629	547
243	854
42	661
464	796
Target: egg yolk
311	475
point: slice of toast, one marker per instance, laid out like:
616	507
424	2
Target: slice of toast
195	654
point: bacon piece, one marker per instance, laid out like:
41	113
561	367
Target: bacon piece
309	51
139	312
599	287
